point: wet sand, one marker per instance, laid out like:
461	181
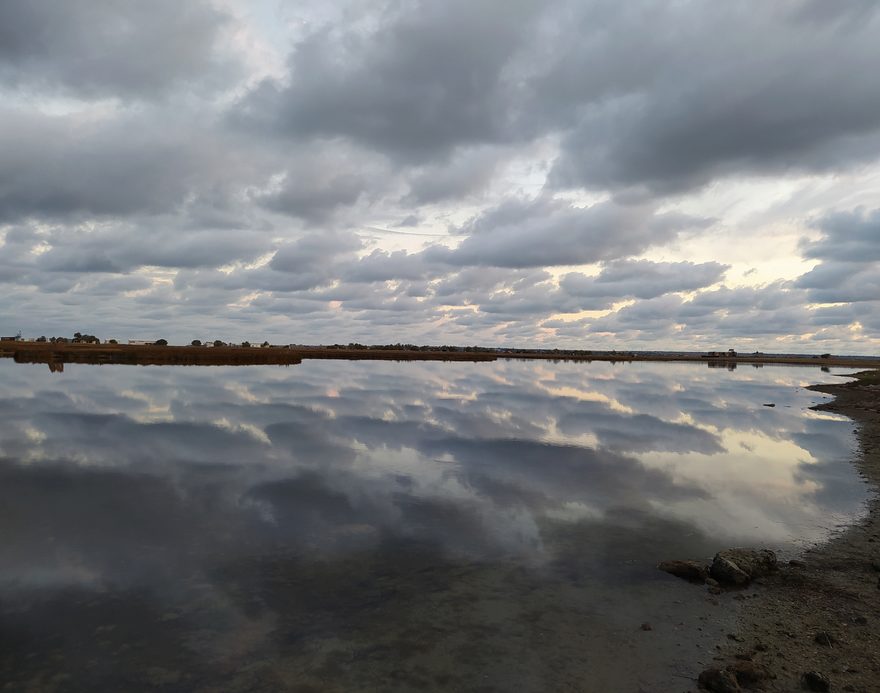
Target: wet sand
821	613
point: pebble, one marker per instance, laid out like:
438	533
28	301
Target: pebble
824	638
815	681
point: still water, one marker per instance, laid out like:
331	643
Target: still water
345	526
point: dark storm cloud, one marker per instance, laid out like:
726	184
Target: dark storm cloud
111	48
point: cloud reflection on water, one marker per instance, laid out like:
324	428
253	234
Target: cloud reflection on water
99	463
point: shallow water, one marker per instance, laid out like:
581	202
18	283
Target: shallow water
393	526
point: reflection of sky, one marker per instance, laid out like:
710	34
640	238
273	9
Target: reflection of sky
113	471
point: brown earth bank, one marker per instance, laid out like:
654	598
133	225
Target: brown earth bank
139	354
815	624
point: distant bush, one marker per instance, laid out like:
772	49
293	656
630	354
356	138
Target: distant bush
218	343
161	342
196	342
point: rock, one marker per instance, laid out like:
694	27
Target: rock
718	681
693	571
797	564
646	626
815	681
728	573
748	673
715	589
712	582
860	620
740	566
824	638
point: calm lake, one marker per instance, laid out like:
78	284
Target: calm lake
346	526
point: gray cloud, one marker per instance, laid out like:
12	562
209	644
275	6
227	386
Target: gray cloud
644	279
546	231
142	137
123	48
416	80
140	163
710	91
849	271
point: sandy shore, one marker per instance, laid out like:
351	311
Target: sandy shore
821	614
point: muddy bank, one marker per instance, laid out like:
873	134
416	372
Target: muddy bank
816	622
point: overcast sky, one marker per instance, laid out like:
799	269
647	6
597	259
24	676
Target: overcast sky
580	173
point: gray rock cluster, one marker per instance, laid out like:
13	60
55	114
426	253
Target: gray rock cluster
731	567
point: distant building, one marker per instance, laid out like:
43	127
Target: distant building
10	339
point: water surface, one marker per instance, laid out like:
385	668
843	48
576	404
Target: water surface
393	526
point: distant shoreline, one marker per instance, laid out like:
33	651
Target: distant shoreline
149	354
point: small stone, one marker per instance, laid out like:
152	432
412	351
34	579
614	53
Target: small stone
824	638
735	637
794	563
714	589
646	626
712	582
728	572
740	566
815	681
761	647
718	681
693	571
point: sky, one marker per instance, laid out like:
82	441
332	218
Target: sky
571	173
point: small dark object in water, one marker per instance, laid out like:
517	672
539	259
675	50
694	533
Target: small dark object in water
770	405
